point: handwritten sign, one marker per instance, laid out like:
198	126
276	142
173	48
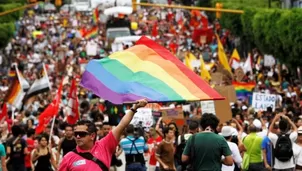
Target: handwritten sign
263	101
144	116
207	107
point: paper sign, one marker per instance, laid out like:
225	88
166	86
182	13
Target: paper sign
269	60
143	115
91	49
207	107
263	101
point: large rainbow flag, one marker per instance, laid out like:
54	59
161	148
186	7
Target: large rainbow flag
244	90
148	71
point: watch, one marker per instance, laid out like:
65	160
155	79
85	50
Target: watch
133	110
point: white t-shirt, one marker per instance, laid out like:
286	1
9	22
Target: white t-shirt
298	150
235	155
284	165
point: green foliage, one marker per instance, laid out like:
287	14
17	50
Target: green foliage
11	16
234	4
7	22
12	1
6	33
273	31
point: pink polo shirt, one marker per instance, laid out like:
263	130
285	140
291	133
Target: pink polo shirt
102	149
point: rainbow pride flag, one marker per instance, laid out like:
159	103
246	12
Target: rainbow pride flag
92	33
148	71
95	16
244	90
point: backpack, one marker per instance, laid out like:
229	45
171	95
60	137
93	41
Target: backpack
283	150
180	148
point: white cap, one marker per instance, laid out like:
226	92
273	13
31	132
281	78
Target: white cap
244	107
227	131
257	123
300	130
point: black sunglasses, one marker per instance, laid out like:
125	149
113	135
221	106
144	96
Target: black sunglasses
81	134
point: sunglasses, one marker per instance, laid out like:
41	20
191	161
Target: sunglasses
81	134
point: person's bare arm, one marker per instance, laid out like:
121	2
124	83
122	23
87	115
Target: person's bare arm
58	154
185	158
292	124
53	162
35	156
228	160
271	127
239	127
3	163
118	131
157	127
266	165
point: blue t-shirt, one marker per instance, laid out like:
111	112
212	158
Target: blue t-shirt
266	144
2	153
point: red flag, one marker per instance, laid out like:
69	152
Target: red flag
51	111
154	32
3	115
73	104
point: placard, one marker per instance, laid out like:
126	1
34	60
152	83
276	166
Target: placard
172	113
269	60
223	110
143	115
263	101
208	107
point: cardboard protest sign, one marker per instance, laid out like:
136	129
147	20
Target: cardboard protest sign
143	115
216	78
262	101
172	113
223	110
228	92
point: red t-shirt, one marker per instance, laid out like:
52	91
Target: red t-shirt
152	148
30	146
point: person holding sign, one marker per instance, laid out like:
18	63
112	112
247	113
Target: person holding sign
96	155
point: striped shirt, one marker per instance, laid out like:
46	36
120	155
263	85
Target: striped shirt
129	145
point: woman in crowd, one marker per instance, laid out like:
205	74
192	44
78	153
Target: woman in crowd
43	156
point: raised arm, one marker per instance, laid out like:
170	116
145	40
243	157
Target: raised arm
117	131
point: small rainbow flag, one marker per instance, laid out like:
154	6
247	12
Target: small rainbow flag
92	33
95	16
146	70
244	90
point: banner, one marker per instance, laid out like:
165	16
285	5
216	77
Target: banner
263	101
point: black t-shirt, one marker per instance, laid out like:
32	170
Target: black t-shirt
17	146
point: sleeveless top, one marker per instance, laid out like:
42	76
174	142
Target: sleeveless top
43	162
68	145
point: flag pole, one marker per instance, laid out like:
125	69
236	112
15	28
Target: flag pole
51	130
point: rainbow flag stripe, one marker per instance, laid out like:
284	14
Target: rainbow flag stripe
244	90
148	71
92	33
95	15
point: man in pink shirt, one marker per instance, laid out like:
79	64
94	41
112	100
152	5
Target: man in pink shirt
85	133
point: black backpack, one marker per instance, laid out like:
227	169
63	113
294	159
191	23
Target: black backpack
283	150
180	148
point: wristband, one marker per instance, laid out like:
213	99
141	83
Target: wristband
133	110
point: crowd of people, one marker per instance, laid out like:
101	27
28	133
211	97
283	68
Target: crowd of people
252	140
